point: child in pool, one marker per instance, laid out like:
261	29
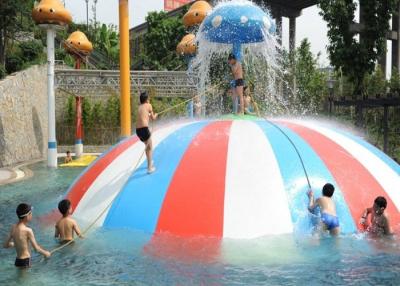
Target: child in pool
380	223
68	158
145	114
329	219
21	235
250	106
66	226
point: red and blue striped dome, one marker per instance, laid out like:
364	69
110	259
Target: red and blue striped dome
235	178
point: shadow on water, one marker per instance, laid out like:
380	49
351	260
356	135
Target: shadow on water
37	130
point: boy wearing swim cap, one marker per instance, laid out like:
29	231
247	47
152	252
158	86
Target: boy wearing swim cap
380	224
21	235
329	219
66	226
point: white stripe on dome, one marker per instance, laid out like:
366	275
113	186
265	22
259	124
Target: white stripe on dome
386	176
255	199
108	184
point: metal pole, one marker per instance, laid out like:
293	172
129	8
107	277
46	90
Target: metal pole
125	69
52	143
87	15
78	118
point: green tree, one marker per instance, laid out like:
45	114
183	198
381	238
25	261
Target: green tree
356	58
163	35
15	16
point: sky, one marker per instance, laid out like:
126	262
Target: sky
309	25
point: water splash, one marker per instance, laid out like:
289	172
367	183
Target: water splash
261	62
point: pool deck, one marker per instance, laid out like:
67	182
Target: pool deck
17	173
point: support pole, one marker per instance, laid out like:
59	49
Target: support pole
385	128
395	43
124	69
52	142
292	49
78	133
292	34
78	118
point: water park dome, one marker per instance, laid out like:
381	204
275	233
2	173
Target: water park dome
197	13
235	178
78	43
187	45
51	12
238	23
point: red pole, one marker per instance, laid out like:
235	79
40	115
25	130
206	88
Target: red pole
79	123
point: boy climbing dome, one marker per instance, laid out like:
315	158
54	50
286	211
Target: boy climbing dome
380	224
21	236
145	114
237	72
329	219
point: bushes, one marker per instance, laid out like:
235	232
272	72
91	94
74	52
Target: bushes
14	63
31	50
3	72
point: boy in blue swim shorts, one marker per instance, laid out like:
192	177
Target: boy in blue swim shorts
329	219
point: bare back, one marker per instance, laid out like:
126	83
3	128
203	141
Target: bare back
327	205
144	112
20	234
66	227
237	71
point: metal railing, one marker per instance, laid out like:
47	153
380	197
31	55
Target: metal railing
106	82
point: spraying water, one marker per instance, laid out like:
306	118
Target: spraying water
248	31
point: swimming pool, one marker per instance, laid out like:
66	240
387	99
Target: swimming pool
126	257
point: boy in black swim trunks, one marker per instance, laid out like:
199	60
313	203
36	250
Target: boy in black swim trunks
21	235
145	114
237	72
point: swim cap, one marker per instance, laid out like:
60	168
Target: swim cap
23	210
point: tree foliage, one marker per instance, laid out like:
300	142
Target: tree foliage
163	35
309	94
15	16
356	58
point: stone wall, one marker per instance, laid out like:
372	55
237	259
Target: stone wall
23	116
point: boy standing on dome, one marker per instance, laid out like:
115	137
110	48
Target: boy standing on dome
145	114
237	71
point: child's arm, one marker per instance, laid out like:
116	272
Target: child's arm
36	246
57	232
387	228
77	230
153	115
312	204
9	241
364	217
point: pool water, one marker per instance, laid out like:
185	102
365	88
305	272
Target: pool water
127	257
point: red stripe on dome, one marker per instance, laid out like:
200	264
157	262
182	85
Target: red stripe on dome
194	204
79	189
358	185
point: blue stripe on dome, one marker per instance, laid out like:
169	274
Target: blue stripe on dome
378	153
295	181
139	203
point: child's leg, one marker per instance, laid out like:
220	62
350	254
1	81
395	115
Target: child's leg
149	153
239	91
335	231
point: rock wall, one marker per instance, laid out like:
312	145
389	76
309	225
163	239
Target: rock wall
23	116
